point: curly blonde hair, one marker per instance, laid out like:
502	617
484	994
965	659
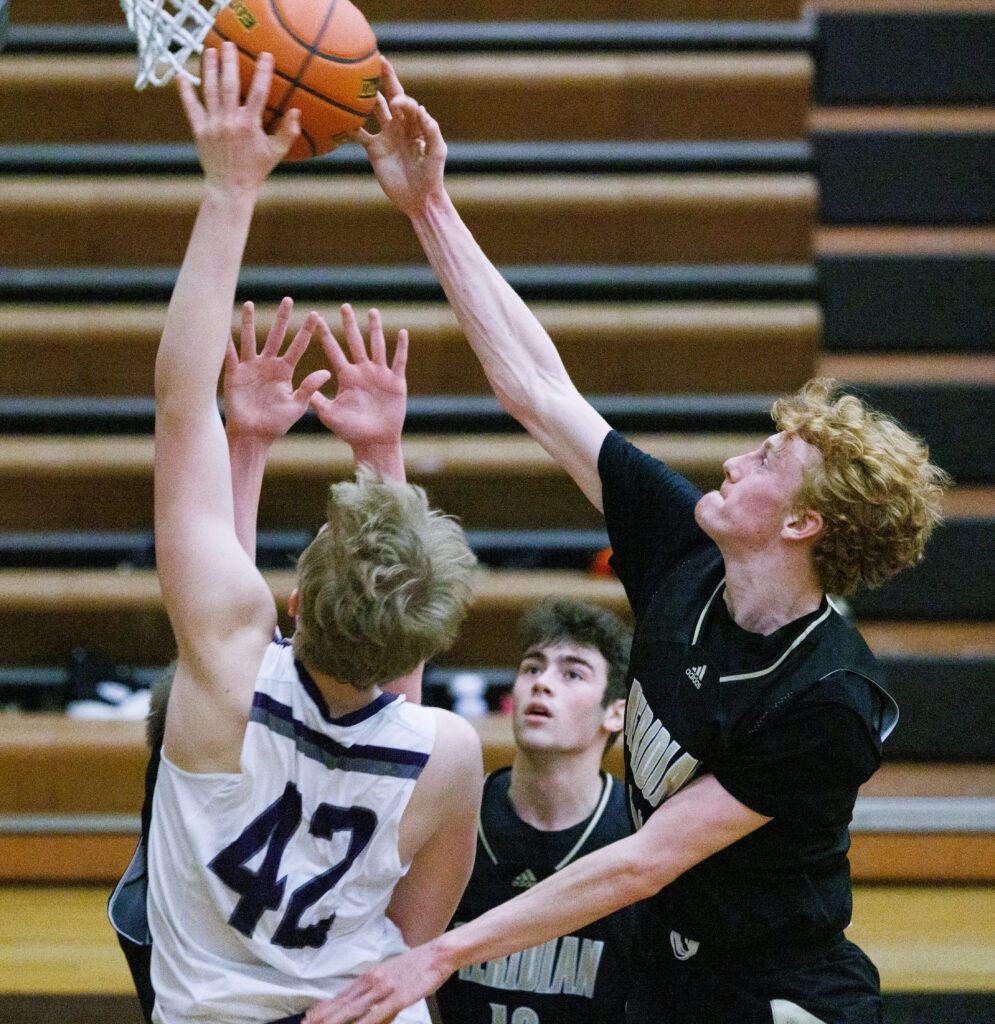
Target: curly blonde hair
879	495
384	587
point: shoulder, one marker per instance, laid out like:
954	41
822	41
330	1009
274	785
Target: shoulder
456	740
449	787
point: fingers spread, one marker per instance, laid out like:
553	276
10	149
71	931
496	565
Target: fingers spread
247	336
287	130
274	340
209	80
191	105
301	339
333	352
353	335
400	353
378	346
390	84
229	77
255	101
310	384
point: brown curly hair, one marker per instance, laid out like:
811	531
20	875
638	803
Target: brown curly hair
879	495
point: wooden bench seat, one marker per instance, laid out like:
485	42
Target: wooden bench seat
45	613
77	785
699	348
601	219
491	481
489	96
500	480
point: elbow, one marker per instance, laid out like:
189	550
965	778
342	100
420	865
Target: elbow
644	872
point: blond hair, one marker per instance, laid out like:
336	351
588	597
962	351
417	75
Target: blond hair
879	495
384	587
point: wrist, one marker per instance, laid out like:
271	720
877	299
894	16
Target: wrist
386	457
432	203
230	195
248	447
444	954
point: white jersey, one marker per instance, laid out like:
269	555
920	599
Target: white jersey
268	889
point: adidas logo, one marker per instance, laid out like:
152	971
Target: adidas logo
525	880
696	675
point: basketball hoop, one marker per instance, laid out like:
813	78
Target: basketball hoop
169	33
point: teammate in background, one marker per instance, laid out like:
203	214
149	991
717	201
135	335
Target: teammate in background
553	805
753	712
304	824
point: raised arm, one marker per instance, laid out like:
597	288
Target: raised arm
368	414
220	608
519	358
261	405
692	825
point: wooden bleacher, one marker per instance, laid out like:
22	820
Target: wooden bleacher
697	88
595	96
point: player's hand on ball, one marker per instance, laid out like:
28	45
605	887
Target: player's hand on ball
235	151
408	153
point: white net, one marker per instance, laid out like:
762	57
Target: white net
169	33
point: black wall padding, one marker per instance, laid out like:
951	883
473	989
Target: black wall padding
953	581
947	707
905	58
915	178
878	303
956	420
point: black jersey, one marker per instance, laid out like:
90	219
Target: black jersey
577	979
790	724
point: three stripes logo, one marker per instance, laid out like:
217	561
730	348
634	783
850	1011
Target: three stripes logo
525	880
696	675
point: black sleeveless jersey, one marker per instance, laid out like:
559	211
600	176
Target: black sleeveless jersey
790	724
576	979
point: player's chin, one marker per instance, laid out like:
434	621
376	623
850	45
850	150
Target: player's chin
705	510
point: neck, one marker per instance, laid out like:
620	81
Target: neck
763	595
553	792
341	698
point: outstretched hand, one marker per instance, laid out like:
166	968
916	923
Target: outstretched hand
371	400
408	153
261	402
235	151
379	995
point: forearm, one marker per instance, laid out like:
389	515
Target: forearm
197	322
248	464
590	888
386	459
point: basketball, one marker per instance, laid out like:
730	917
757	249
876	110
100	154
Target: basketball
326	64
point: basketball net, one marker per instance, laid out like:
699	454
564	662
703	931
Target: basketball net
169	32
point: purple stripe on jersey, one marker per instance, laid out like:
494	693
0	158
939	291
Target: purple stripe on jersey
358	757
318	698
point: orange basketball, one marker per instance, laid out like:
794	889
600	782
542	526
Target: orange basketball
326	64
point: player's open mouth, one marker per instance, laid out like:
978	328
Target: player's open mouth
537	711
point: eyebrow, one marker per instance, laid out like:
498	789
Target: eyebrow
571	659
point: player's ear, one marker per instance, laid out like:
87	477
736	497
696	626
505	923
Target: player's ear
802	524
614	717
294	603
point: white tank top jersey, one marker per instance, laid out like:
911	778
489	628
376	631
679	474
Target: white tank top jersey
268	889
